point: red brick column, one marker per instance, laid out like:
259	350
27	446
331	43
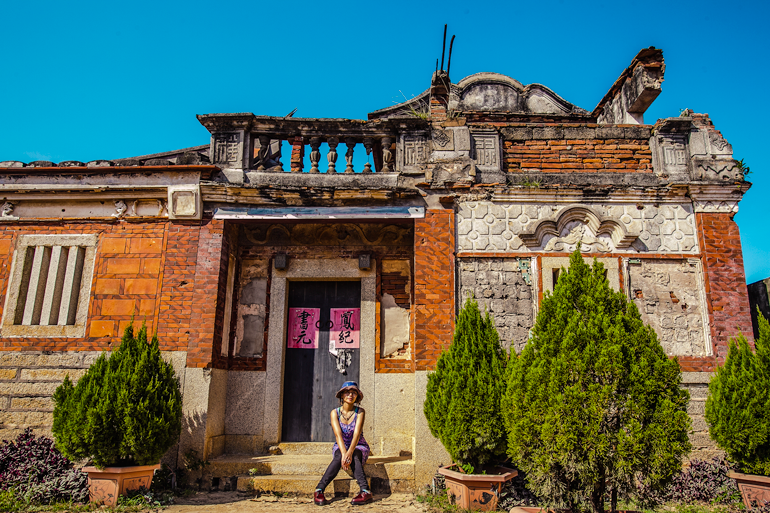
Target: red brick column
434	285
206	298
728	301
178	285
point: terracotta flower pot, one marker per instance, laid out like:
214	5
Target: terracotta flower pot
478	492
755	490
104	485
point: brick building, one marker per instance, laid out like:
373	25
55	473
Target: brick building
270	281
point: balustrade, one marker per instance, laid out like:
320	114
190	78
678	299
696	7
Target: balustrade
267	160
249	142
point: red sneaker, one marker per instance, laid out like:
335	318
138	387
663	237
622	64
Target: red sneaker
362	498
319	499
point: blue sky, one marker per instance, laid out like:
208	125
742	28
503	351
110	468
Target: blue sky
103	80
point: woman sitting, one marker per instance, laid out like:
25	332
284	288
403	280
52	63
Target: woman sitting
350	450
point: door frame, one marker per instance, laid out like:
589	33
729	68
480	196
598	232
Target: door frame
332	269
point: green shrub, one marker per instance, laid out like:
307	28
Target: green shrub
125	410
462	402
738	406
593	405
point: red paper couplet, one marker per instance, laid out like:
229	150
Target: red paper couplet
303	333
345	328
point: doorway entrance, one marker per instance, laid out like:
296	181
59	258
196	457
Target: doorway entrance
322	352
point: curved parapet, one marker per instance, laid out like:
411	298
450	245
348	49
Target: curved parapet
489	92
493	92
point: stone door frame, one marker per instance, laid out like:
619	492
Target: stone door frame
331	269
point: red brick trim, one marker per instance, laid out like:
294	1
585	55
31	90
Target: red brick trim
434	286
728	302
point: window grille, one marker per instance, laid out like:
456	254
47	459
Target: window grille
50	286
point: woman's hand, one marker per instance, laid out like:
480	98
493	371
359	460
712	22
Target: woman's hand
347	459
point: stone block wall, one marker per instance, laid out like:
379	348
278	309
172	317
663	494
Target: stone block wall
670	297
503	287
27	382
696	383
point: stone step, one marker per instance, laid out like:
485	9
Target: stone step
316	448
381	467
297	484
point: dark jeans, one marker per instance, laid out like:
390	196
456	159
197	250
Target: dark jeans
335	466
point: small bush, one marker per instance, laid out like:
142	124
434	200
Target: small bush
462	403
704	481
593	404
126	409
738	406
32	470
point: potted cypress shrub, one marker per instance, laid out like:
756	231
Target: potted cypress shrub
462	406
122	416
593	405
738	413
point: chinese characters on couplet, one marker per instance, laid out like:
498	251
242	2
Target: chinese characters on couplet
303	328
343	330
346	323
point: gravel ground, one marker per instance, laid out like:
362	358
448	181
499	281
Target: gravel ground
234	502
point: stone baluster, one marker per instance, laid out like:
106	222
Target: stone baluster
387	155
315	155
368	146
351	144
264	151
332	155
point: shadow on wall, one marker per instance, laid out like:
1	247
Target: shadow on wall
758	297
189	451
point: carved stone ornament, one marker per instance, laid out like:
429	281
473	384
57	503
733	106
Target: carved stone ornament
346	234
5	212
717	169
563	231
413	151
228	149
120	209
184	202
716	206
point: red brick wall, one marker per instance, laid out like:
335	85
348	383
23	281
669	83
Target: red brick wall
127	277
163	273
208	298
434	286
178	285
728	302
579	155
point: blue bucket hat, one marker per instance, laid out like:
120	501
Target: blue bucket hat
351	385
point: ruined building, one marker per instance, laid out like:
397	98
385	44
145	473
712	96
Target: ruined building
270	279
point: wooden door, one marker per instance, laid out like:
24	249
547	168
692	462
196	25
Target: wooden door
311	376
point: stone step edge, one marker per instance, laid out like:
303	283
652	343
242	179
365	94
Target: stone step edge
304	485
299	484
403	469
